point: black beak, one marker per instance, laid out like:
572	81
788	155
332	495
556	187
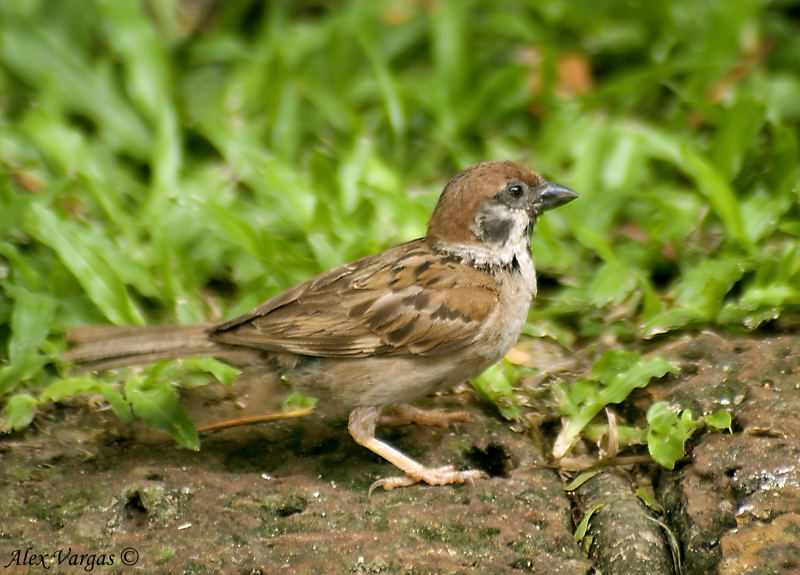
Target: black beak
551	196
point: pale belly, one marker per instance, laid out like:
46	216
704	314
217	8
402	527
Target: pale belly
382	380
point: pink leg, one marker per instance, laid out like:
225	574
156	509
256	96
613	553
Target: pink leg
362	429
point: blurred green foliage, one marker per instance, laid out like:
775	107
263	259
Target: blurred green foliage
182	161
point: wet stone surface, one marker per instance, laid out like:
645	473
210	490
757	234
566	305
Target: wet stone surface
291	496
288	496
736	506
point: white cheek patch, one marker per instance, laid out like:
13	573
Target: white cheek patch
504	239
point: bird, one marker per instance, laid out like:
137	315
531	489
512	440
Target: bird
386	329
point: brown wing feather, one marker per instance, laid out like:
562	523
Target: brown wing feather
349	312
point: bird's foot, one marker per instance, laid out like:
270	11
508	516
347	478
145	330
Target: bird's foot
430	475
405	414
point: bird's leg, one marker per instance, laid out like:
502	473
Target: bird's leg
405	414
362	429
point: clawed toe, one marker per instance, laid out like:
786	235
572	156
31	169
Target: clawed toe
389	483
430	475
405	414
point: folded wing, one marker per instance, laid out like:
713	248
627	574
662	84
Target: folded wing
429	309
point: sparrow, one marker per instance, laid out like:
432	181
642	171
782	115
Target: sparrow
386	329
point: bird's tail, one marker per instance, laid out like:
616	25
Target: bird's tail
105	347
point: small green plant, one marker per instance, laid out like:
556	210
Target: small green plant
582	529
668	430
614	376
496	385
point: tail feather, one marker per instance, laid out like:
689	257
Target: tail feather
105	347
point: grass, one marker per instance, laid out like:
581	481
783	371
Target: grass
169	165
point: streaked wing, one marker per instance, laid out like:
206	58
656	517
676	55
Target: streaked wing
406	300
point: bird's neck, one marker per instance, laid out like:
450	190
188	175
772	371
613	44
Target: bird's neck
509	257
497	241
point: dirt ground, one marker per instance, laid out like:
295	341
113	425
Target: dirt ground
81	492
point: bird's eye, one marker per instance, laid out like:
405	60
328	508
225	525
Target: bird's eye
515	190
